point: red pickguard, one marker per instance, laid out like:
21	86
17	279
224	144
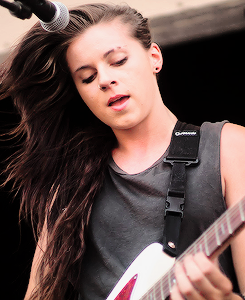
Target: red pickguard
126	292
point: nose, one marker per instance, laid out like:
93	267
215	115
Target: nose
105	86
106	80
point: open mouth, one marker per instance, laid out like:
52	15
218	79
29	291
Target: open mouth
118	100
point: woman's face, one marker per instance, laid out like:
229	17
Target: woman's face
115	74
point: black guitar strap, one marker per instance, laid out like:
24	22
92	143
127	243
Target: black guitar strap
183	153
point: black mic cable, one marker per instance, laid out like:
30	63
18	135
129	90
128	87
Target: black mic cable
17	9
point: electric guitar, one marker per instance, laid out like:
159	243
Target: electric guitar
151	274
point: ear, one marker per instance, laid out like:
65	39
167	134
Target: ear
156	58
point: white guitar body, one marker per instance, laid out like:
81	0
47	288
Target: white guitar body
151	264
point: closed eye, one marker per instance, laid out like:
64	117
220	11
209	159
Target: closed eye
89	79
120	62
117	64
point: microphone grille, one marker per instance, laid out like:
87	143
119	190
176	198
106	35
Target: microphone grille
59	21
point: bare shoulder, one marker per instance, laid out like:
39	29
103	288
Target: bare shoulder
231	130
233	162
232	143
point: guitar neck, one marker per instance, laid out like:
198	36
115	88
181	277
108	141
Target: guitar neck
210	242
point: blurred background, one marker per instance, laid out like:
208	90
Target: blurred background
203	44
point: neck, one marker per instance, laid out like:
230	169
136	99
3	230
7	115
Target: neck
141	146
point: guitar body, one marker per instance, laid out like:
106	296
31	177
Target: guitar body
151	264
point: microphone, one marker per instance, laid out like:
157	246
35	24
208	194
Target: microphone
53	16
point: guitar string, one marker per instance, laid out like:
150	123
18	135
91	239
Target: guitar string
164	285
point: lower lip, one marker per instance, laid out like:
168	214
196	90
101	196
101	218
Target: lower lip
120	105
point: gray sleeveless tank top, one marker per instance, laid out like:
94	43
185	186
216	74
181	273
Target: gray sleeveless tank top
128	215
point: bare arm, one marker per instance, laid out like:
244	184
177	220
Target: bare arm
233	175
41	247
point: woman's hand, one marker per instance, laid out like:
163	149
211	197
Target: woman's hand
198	278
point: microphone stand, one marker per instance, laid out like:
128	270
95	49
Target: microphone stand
17	9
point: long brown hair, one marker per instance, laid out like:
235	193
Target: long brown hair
65	148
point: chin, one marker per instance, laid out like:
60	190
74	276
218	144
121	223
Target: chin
127	126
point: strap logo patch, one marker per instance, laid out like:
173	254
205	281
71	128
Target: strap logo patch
185	133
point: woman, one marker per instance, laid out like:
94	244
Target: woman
93	127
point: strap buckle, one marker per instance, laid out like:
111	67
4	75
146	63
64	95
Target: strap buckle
174	205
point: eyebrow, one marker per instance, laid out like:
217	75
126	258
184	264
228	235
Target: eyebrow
82	68
109	52
104	56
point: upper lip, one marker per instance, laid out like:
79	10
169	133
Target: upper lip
115	98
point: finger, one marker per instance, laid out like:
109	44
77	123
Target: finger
185	286
213	274
175	294
207	278
198	278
